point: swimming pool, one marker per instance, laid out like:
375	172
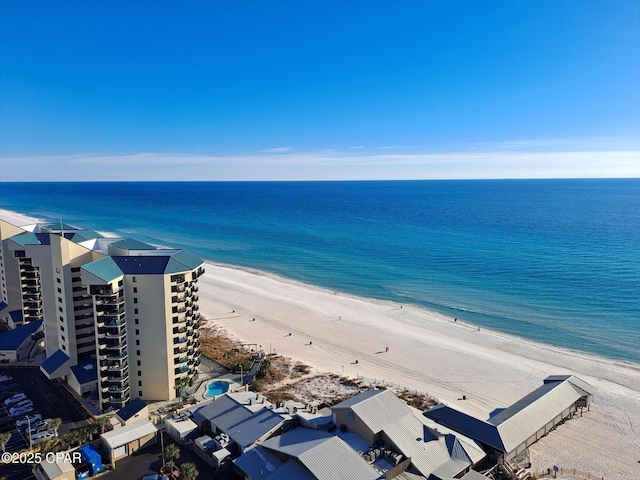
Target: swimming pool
216	388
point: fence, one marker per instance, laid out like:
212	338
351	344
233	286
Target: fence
395	386
549	473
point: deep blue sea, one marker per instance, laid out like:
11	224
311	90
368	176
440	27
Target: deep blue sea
555	261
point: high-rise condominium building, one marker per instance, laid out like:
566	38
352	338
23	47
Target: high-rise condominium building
120	316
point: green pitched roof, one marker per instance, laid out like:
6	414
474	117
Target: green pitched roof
82	235
105	269
182	261
26	239
131	244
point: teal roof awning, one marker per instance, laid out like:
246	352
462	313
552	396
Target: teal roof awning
105	269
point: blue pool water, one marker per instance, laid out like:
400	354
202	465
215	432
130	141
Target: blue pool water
216	388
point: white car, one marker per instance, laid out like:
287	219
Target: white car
36	427
20	406
15	399
41	435
22	403
23	422
22	411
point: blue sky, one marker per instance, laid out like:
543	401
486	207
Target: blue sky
247	90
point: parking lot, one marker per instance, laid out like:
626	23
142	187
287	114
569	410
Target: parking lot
50	399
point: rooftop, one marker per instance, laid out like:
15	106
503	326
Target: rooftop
130	409
54	362
85	371
12	339
123	435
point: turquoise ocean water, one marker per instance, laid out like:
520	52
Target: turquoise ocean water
555	261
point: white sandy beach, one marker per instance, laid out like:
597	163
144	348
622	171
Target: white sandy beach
431	353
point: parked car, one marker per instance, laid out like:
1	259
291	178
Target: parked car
20	406
22	403
23	422
36	427
22	411
15	399
41	435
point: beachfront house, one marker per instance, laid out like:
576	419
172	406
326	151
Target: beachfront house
511	431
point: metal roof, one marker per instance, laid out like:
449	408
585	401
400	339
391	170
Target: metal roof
186	259
123	435
132	244
105	269
12	339
258	463
27	238
130	409
513	425
376	408
3	305
428	451
85	371
521	420
141	265
243	425
54	362
289	470
16	316
326	456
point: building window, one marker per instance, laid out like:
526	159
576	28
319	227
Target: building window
135	311
137	332
138	352
62	319
120	282
60	308
59	300
139	393
139	373
62	328
138	343
57	270
139	363
134	279
135	289
59	290
62	337
58	280
136	321
135	299
64	348
139	383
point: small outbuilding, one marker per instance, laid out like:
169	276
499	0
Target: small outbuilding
124	441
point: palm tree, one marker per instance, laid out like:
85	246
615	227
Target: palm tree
188	471
53	424
171	453
102	422
4	439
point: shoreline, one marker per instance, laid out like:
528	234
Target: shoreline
429	352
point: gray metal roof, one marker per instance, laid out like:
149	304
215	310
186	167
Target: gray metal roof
183	261
123	435
513	425
376	408
290	470
428	452
132	244
243	425
257	463
326	456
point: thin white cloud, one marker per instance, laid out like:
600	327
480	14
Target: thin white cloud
322	166
277	150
